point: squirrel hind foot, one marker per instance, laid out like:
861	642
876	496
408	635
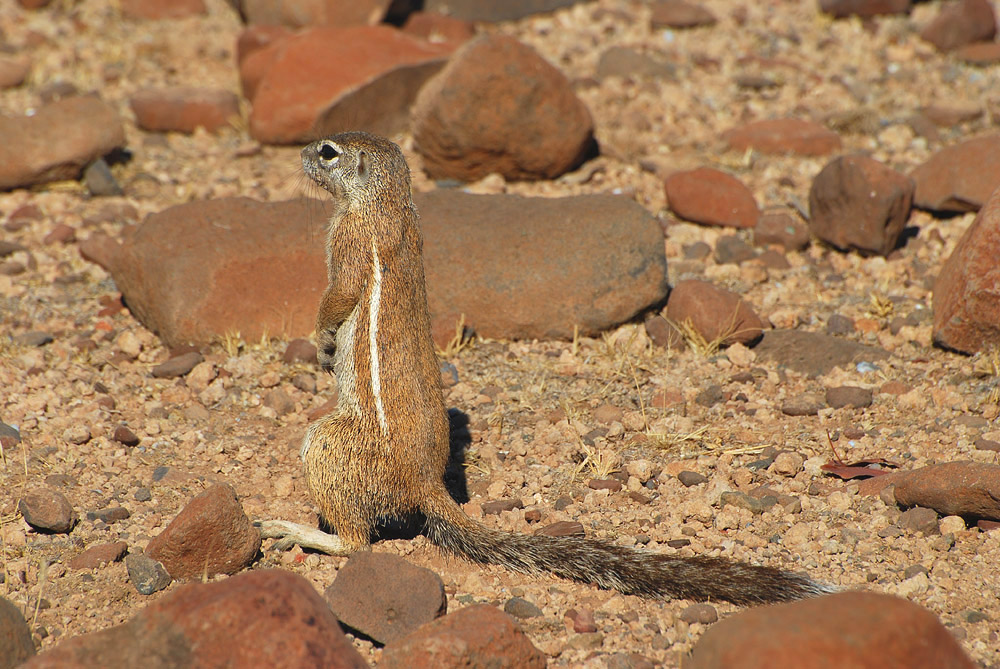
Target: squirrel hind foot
289	534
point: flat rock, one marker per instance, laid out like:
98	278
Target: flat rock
918	519
179	365
57	142
959	178
161	9
475	636
476	116
99	555
494	10
385	597
146	574
803	404
184	109
711	197
814	353
620	61
960	23
953	489
715	313
858	203
266	618
679	14
305	13
731	249
47	510
840	9
15	636
966	298
780	229
848	396
784	136
850	629
211	535
980	53
328	79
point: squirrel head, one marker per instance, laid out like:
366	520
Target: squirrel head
363	172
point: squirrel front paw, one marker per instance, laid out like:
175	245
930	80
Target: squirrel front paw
326	349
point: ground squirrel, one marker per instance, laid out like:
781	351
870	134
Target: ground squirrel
382	453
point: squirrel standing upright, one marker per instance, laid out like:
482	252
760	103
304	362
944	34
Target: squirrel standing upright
382	453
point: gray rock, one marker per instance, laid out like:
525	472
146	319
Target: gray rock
519	607
147	575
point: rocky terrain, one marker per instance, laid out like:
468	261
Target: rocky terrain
714	278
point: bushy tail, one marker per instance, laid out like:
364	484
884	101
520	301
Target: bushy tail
605	565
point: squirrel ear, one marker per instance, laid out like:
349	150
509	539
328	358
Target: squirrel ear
364	165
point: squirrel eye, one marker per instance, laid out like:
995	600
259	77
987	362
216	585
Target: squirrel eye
327	151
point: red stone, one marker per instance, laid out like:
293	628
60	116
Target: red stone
183	109
713	312
960	23
711	197
161	9
780	136
960	177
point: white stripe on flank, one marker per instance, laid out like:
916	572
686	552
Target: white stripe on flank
373	307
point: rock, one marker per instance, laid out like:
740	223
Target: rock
472	119
47	510
803	404
849	396
184	109
521	608
300	350
146	574
494	10
439	28
99	180
960	23
34	4
99	555
109	515
679	14
706	614
266	618
305	13
814	353
498	506
838	324
715	313
730	249
689	478
475	636
385	597
211	535
859	203
620	61
604	484
840	9
563	528
959	178
583	620
179	365
783	136
711	197
970	489
280	401
952	115
518	268
663	333
33	339
982	444
57	142
326	80
918	519
980	53
161	9
15	636
966	299
13	71
181	268
855	629
780	229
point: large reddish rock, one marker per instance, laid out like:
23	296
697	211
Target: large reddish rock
527	268
15	636
494	10
303	13
183	109
267	618
858	203
967	291
182	270
500	107
211	535
784	135
384	596
476	636
161	9
839	9
851	629
329	79
961	22
711	197
959	178
714	313
953	489
57	142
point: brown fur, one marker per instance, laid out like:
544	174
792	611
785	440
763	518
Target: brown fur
383	453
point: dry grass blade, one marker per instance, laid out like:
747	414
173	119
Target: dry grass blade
462	340
231	343
703	347
880	306
599	465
